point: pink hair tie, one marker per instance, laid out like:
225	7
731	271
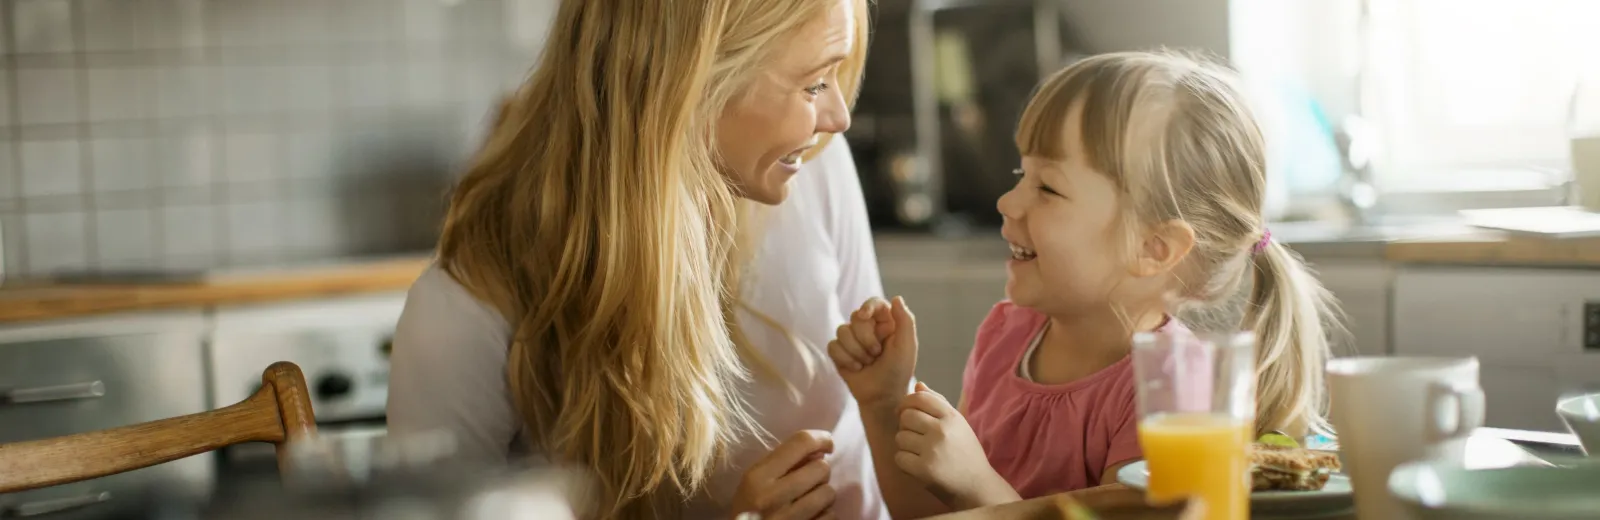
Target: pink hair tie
1261	245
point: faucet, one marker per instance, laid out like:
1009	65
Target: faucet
1356	140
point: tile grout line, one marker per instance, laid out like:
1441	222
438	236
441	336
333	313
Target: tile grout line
221	245
158	197
86	174
21	211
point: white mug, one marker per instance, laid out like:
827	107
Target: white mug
1390	410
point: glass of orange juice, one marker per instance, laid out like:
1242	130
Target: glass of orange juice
1196	417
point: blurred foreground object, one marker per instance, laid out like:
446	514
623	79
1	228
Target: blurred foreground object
416	477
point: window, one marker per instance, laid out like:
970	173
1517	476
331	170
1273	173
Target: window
1458	85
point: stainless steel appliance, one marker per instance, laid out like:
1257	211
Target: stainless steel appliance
73	376
342	345
974	63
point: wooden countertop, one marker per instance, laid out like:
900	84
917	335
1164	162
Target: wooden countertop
1497	249
31	302
23	301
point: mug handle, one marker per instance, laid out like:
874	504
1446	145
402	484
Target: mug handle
1445	400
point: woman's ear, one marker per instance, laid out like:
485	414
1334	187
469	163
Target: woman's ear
1163	247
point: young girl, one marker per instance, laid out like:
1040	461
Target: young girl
1139	196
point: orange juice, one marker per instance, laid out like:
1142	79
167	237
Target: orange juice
1200	456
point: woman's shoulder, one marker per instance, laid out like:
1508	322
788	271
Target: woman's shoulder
440	307
448	369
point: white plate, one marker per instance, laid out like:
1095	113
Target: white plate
1334	497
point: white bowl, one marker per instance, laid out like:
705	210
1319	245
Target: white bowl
1582	415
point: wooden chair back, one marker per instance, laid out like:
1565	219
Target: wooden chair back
279	413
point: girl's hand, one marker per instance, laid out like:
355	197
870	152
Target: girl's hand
938	447
791	482
876	353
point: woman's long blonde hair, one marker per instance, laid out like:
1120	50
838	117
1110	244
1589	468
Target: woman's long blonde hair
595	220
1176	136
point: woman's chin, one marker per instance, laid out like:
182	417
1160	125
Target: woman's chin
772	191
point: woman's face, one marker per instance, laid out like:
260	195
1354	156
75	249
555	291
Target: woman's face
762	134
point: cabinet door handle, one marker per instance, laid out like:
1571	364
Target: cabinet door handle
45	507
41	394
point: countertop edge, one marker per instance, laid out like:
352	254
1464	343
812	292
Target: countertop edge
45	302
49	302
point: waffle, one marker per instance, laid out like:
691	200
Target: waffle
1279	468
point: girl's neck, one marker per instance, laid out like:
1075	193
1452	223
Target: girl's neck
1100	335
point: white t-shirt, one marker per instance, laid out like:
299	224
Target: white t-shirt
815	265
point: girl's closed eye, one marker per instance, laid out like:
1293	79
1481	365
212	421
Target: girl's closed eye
1044	188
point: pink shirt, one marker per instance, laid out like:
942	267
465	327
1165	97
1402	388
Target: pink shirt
1045	439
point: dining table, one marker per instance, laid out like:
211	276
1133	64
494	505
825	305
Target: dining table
1486	448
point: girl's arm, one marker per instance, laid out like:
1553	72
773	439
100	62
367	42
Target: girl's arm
859	279
905	496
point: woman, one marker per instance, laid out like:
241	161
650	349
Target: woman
587	306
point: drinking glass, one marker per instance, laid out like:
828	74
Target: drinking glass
1197	403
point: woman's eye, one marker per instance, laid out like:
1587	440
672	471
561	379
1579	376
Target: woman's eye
817	89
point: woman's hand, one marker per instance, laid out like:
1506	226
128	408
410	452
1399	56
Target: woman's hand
876	353
938	447
791	483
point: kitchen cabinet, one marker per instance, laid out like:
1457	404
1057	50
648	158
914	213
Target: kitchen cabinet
1525	325
1363	290
75	376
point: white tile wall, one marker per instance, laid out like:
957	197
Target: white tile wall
56	242
47	96
122	164
184	158
205	133
126	238
119	93
51	168
250	156
43	26
9	180
5	95
110	25
13	231
189	231
181	91
254	228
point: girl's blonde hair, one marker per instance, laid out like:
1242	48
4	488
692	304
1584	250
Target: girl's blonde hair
1176	137
595	220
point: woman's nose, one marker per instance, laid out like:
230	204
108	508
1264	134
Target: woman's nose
833	116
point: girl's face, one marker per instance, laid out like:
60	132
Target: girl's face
1061	221
761	136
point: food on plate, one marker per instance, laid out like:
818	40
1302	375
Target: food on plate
1278	439
1284	468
